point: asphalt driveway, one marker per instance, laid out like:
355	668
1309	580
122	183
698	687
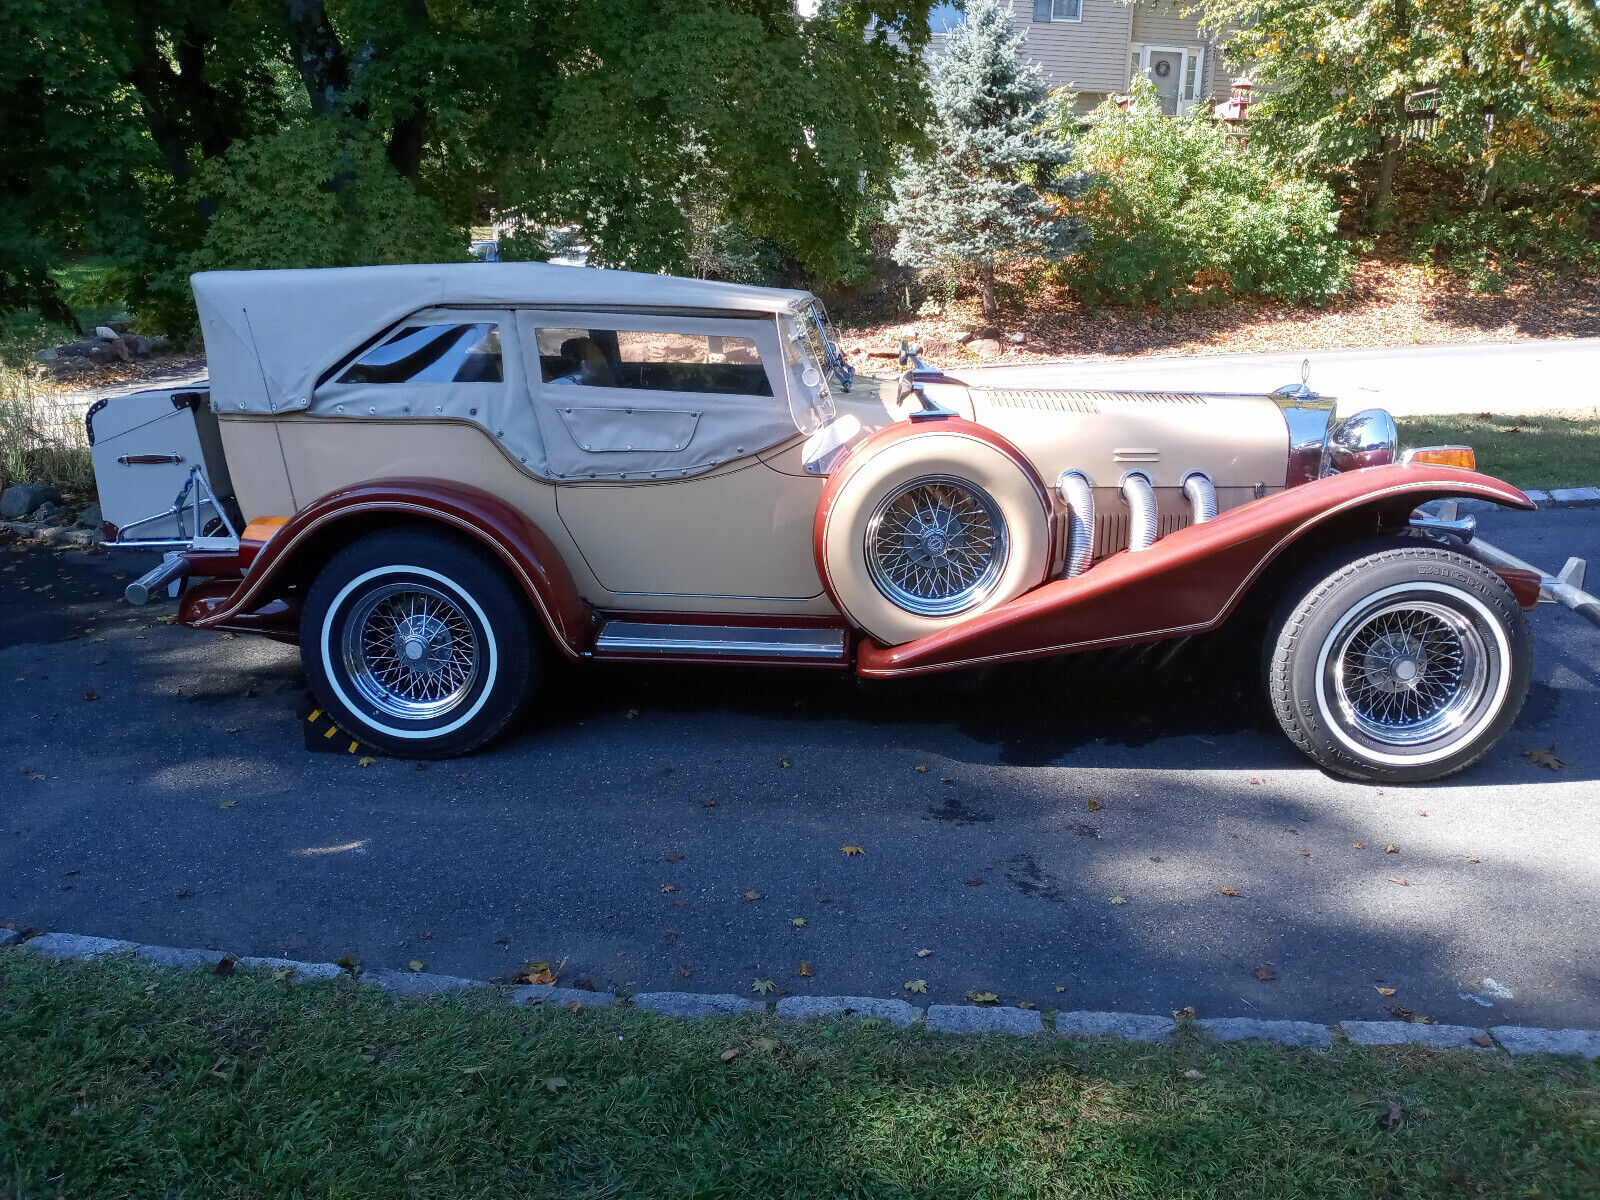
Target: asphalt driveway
1047	839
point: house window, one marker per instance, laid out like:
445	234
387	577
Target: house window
1057	10
1191	73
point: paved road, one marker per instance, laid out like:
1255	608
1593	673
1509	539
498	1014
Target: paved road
1042	800
1407	380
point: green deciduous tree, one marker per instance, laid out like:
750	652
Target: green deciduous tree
174	133
979	199
1514	81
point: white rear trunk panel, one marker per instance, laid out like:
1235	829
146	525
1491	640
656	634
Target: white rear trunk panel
144	446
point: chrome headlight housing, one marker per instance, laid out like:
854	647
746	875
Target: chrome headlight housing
1369	438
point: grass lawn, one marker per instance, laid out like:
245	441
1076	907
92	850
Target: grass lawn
1545	450
120	1079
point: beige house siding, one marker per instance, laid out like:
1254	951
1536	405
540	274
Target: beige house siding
1090	55
1163	26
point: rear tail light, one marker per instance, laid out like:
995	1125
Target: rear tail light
1443	456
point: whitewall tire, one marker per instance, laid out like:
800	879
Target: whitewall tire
416	644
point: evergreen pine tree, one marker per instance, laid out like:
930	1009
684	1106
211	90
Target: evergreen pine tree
978	201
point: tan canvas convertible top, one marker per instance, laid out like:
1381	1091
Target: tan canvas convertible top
270	334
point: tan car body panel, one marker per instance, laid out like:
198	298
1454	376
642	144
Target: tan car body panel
751	552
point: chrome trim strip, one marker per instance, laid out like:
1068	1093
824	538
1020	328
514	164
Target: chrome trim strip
720	641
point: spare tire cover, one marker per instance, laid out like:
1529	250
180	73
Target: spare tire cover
925	526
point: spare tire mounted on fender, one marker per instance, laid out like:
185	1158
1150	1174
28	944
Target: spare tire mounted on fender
926	525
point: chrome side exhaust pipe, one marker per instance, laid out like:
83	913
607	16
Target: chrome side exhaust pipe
1201	493
1140	495
1077	492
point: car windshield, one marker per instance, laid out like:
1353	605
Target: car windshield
809	357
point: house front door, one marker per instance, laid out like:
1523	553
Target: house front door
1166	72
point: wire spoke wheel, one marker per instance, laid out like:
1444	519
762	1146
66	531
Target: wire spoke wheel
1407	672
936	545
410	650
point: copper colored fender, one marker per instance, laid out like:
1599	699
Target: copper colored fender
516	541
1188	582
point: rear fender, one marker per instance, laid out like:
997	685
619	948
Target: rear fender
298	549
1189	581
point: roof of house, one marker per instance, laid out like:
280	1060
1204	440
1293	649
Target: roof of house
270	334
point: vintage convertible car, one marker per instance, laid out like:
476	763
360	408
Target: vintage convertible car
433	478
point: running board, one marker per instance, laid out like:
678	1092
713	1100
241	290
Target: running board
663	640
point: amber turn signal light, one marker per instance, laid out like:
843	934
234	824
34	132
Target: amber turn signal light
1444	456
262	529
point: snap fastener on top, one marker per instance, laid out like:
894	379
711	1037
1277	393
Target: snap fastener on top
438	408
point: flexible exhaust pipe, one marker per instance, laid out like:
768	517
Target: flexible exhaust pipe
1077	493
1202	496
1140	495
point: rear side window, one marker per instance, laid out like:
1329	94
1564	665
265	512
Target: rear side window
652	361
442	353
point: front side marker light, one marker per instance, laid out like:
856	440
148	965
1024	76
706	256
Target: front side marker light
1443	456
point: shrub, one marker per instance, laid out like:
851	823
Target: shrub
1179	214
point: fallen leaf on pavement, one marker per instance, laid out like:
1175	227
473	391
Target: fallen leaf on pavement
978	997
729	1054
675	856
685	972
975	881
1228	891
1186	1013
366	760
924	770
1358	845
1093	806
924	953
1026	1004
1401	1013
762	985
805	969
708	803
798	922
539	972
222	804
850	851
1481	1039
1383	991
1118	900
349	962
91	695
1266	973
668	887
752	894
916	985
1471	859
1397	879
1391	848
783	762
416	964
1545	758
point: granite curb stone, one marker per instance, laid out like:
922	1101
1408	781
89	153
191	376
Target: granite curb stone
417	983
1407	1033
969	1018
1133	1027
1519	1039
1249	1029
805	1008
546	993
695	1004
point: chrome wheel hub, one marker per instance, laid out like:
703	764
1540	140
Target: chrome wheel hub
410	651
1408	672
936	545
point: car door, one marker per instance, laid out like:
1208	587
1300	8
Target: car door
651	426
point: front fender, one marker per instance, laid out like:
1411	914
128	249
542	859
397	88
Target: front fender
1190	580
527	553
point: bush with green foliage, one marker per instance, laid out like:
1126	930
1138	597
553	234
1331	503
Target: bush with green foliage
1179	214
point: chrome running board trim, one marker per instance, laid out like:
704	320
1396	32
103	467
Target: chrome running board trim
720	641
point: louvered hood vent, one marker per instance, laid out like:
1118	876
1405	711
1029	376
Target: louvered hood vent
1085	402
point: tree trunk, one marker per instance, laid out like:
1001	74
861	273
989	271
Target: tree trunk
324	66
991	302
411	127
1393	139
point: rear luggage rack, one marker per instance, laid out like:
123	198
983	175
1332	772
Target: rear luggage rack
195	494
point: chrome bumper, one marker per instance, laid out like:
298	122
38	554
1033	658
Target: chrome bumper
1564	588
